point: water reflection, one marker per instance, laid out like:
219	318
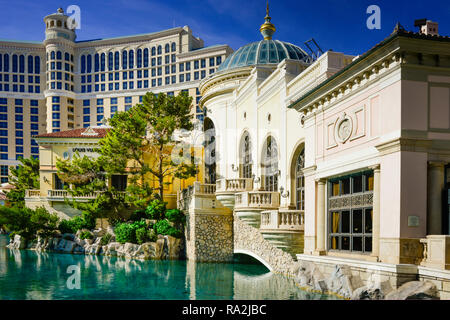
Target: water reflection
26	274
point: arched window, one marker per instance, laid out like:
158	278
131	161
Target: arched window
30	64
153	51
89	63
96	62
139	58
159	50
58	23
246	156
145	57
66	56
6	62
37	65
110	61
52	55
167	48
174	46
52	23
58	55
210	151
116	60
22	63
300	181
14	63
270	165
83	64
131	59
124	59
102	62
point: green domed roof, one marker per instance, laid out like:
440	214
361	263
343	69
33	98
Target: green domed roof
263	52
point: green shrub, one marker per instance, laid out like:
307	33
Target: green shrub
125	233
156	209
86	235
75	224
105	239
65	226
163	227
176	216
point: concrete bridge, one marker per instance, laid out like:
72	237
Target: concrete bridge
223	222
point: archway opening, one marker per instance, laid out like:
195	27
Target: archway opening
246	264
245	157
210	151
269	165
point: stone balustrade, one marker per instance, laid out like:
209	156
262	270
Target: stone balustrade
61	194
32	193
234	185
227	188
257	199
436	252
204	194
292	220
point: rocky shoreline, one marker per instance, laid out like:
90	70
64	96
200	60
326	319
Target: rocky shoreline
342	283
165	247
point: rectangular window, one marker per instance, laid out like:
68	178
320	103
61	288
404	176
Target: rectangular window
86	103
100	110
350	213
86	110
86	118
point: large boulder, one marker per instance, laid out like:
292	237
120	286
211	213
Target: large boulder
146	251
111	248
175	247
310	276
342	282
419	290
66	246
160	253
374	290
18	242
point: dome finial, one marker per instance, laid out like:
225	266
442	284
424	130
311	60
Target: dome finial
267	28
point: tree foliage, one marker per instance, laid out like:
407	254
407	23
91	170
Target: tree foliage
139	145
25	176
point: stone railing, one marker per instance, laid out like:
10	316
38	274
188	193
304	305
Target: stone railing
32	193
257	199
292	220
234	185
436	252
185	196
61	194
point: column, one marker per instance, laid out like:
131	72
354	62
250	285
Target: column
320	230
434	197
376	211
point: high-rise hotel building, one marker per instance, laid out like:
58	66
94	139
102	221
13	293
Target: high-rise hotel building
62	84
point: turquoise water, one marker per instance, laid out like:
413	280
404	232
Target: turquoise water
27	274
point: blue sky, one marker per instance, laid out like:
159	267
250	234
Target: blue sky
338	25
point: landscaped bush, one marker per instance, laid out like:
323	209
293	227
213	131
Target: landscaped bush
28	223
165	228
138	215
145	235
105	239
74	224
86	235
176	216
126	232
156	209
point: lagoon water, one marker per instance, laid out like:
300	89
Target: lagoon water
27	274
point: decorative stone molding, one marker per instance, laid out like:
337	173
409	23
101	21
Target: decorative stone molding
343	128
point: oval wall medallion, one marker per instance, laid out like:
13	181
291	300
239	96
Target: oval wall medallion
344	128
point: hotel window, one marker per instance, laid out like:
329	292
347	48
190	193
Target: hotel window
86	119
116	86
196	75
145	73
83	64
116	76
100	109
153	51
102	62
181	77
99	117
34	110
19	109
55	107
203	74
269	165
124	75
203	63
110	61
159	50
195	64
124	60
167	80
174	46
86	110
153	62
145	57
350	212
56	124
99	102
86	103
127	107
89	64
218	60
128	99
56	115
167	59
300	181
174	58
188	66
211	62
159	61
113	109
124	86
211	71
181	67
35	150
159	81
188	77
159	71
166	48
246	157
131	59
145	83
6	62
139	74
116	60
